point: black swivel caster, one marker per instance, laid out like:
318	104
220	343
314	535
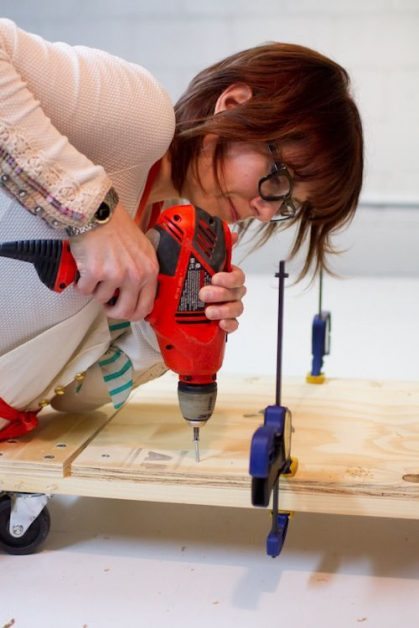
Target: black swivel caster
31	539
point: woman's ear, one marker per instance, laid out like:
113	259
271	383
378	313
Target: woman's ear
234	95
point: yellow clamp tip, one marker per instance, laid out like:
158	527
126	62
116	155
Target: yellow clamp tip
290	513
292	470
315	379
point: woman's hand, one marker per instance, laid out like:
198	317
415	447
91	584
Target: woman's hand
225	292
117	256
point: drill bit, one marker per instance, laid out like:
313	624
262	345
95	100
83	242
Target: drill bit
196	443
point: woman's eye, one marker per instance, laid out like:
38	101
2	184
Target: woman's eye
278	184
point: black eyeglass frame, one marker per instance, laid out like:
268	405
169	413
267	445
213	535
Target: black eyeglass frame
288	203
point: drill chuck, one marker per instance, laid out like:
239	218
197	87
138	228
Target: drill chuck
197	402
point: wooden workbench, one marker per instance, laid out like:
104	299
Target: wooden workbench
357	443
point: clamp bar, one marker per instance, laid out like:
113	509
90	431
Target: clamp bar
281	289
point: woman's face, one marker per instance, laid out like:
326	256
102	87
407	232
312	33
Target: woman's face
236	196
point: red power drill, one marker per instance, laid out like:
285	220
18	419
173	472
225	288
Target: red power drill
191	246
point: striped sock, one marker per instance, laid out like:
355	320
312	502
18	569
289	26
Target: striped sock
117	373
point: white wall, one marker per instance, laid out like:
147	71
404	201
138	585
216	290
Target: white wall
376	40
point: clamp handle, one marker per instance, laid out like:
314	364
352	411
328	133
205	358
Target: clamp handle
269	453
276	537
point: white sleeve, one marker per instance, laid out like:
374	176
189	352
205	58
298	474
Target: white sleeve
70	117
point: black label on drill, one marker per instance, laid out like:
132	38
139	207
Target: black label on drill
196	277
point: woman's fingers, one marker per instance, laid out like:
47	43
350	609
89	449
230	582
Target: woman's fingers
117	260
224	296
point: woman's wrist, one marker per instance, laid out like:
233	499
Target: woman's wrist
101	217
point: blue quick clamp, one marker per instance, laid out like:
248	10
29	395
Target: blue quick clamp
270	449
320	340
270	458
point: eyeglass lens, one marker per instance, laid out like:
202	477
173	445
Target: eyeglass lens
276	184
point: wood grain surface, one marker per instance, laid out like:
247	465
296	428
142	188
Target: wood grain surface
49	450
357	444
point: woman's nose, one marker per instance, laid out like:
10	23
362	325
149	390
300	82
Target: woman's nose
263	210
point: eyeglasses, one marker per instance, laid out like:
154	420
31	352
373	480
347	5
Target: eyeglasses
277	186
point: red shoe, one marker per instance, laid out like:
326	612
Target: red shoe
20	422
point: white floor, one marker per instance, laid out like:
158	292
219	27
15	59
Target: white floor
113	563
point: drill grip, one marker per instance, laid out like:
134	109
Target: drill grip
52	260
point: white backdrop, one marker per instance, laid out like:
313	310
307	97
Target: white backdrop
376	40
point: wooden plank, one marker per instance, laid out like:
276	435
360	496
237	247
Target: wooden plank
49	450
358	438
357	443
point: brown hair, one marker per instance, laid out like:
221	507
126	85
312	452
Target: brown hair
301	100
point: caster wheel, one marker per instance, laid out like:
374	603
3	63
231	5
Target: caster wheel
34	536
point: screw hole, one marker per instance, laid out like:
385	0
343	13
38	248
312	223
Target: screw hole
49	456
169	347
61	445
177	217
106	456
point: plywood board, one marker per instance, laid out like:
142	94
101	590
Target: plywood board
357	442
49	450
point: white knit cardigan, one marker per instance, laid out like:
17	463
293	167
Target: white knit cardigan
74	121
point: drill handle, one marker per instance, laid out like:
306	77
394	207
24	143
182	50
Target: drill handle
52	260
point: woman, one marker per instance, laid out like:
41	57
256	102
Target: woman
89	145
